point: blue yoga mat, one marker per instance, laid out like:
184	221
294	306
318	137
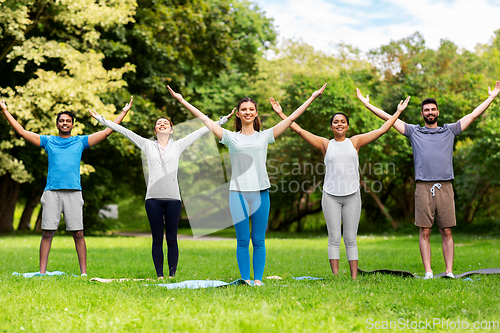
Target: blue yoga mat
300	278
197	284
30	275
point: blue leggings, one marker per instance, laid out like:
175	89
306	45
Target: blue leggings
258	204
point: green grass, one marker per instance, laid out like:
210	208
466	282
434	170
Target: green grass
335	304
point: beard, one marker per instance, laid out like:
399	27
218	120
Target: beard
431	121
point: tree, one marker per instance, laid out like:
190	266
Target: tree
203	48
207	50
289	75
478	158
49	64
458	80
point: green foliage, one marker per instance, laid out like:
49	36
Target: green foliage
205	49
71	55
478	156
49	64
458	80
297	175
78	54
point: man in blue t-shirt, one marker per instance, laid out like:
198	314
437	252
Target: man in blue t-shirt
63	192
433	158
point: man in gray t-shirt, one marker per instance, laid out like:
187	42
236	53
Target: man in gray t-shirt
433	158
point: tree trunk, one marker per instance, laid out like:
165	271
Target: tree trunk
309	212
38	225
9	190
31	202
472	207
406	199
380	205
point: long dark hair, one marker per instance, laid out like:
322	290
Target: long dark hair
256	121
341	113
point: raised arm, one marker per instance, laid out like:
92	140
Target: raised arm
192	137
468	119
213	126
27	135
317	142
101	135
360	140
399	125
285	123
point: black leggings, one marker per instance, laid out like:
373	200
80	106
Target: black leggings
164	212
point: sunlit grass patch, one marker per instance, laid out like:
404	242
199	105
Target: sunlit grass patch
75	304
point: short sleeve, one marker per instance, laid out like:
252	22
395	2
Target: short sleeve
226	137
85	141
44	139
455	128
269	135
409	129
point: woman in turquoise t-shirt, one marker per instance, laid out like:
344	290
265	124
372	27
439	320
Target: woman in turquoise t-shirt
249	187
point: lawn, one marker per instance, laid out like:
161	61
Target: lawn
335	304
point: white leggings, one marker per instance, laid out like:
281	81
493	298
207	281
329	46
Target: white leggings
338	209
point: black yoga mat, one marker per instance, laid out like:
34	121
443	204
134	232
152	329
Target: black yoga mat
485	271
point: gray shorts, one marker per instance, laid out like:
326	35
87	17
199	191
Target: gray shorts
67	202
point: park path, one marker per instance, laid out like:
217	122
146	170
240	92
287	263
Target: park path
179	237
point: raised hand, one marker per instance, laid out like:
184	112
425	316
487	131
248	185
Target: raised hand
174	94
229	115
276	106
320	91
493	93
127	106
27	135
94	114
363	99
403	104
3	105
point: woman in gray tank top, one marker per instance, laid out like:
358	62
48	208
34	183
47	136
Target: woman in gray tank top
341	200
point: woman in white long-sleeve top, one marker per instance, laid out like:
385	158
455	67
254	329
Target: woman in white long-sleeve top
163	199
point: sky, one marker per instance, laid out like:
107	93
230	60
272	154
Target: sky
368	24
